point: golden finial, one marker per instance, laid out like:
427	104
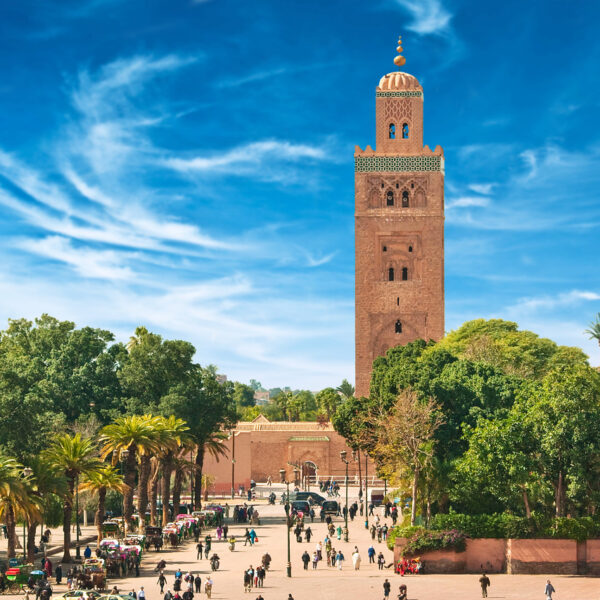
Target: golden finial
399	60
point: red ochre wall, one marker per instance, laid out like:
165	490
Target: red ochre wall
260	453
533	556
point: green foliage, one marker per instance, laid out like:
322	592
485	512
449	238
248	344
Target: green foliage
243	395
402	532
426	540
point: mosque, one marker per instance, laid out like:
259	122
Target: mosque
399	284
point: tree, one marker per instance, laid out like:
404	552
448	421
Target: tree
328	401
243	395
346	389
404	438
74	456
141	436
256	385
98	483
594	329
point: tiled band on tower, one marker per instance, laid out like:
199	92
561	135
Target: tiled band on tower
399	229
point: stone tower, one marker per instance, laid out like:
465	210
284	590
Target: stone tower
399	228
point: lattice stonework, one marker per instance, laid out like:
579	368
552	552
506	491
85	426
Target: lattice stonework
399	94
368	164
397	109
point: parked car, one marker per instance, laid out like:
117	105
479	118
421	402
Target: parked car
331	507
310	497
301	505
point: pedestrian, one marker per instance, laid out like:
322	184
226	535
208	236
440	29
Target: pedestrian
87	553
356	559
485	583
290	597
371	553
133	594
199	548
208	584
387	586
141	595
305	560
58	573
269	481
168	595
308	534
338	532
380	561
339	559
162	581
549	590
247	585
198	584
261	575
403	592
315	560
384	531
225	530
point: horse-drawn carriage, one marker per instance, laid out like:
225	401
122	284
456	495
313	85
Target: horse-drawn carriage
154	537
112	528
17	578
172	534
93	575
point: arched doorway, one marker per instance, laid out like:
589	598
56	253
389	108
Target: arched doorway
309	473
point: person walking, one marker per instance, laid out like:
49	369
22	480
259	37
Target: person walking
199	548
305	560
356	559
485	583
387	586
339	559
162	581
308	534
371	553
549	590
315	560
168	595
380	561
58	573
247	585
141	595
198	584
208	585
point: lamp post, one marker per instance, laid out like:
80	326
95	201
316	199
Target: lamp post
343	457
366	492
27	472
77	550
123	456
287	519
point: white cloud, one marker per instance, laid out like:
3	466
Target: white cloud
482	188
429	16
468	202
564	299
318	262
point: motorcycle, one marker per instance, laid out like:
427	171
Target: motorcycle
272	498
214	562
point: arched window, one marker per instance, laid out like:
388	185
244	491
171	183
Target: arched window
385	248
404	199
404	273
410	248
390	198
392	131
405	131
391	274
398	326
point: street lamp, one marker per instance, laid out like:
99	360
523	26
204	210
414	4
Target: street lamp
124	456
366	492
287	519
77	550
343	457
27	472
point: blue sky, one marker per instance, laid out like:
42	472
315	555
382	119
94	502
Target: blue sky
188	166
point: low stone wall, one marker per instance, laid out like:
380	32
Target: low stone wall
524	556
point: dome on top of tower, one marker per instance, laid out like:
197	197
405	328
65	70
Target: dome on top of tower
399	81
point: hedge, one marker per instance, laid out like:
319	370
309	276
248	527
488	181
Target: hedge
506	526
426	540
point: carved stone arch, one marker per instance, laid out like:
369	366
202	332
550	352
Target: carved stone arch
420	198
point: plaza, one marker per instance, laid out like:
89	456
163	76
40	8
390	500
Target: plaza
325	583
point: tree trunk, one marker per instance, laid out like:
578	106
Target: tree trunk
11	526
153	492
558	495
67	516
177	485
143	486
129	479
31	529
413	508
99	517
526	502
166	489
199	460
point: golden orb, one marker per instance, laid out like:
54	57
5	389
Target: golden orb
399	61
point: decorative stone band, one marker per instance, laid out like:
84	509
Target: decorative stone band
309	438
415	94
398	164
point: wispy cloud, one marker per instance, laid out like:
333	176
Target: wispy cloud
482	188
563	299
428	16
468	202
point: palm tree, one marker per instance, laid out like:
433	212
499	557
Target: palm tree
594	329
14	499
98	483
176	432
46	480
75	456
140	436
214	445
346	389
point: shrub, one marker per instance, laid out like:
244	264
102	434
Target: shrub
424	540
403	532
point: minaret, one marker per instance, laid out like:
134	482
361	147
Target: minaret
399	228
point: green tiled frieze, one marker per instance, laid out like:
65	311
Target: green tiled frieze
367	164
415	94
